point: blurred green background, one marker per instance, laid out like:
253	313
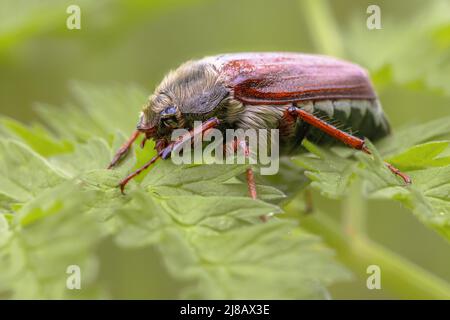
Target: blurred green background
137	41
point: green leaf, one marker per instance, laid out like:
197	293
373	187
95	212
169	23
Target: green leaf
188	234
36	137
428	196
401	49
24	173
61	205
94	154
170	180
328	172
188	210
422	156
407	137
49	234
283	262
100	112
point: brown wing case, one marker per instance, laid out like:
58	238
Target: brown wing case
281	78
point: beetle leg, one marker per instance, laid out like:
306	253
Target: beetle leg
124	149
165	152
397	172
252	190
249	172
160	145
142	144
233	146
127	179
205	127
340	135
251	184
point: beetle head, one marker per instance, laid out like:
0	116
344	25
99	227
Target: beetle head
159	117
145	126
191	92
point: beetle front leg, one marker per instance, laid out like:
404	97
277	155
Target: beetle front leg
188	136
346	138
124	149
165	149
127	179
160	145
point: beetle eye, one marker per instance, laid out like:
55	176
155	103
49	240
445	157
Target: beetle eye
168	117
169	122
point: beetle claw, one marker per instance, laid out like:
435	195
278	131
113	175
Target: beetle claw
397	172
120	153
124	149
166	151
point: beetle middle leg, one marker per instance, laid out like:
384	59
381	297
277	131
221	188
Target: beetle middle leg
346	138
233	146
249	174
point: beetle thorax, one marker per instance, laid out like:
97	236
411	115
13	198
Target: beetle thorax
194	89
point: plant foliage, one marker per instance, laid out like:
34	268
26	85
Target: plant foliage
59	204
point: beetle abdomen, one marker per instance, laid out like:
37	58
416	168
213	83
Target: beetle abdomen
362	118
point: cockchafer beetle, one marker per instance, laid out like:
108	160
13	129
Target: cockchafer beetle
291	92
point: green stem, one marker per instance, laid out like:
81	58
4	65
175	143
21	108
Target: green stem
322	26
398	275
354	212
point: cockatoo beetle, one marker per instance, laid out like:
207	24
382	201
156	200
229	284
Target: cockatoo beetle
286	91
